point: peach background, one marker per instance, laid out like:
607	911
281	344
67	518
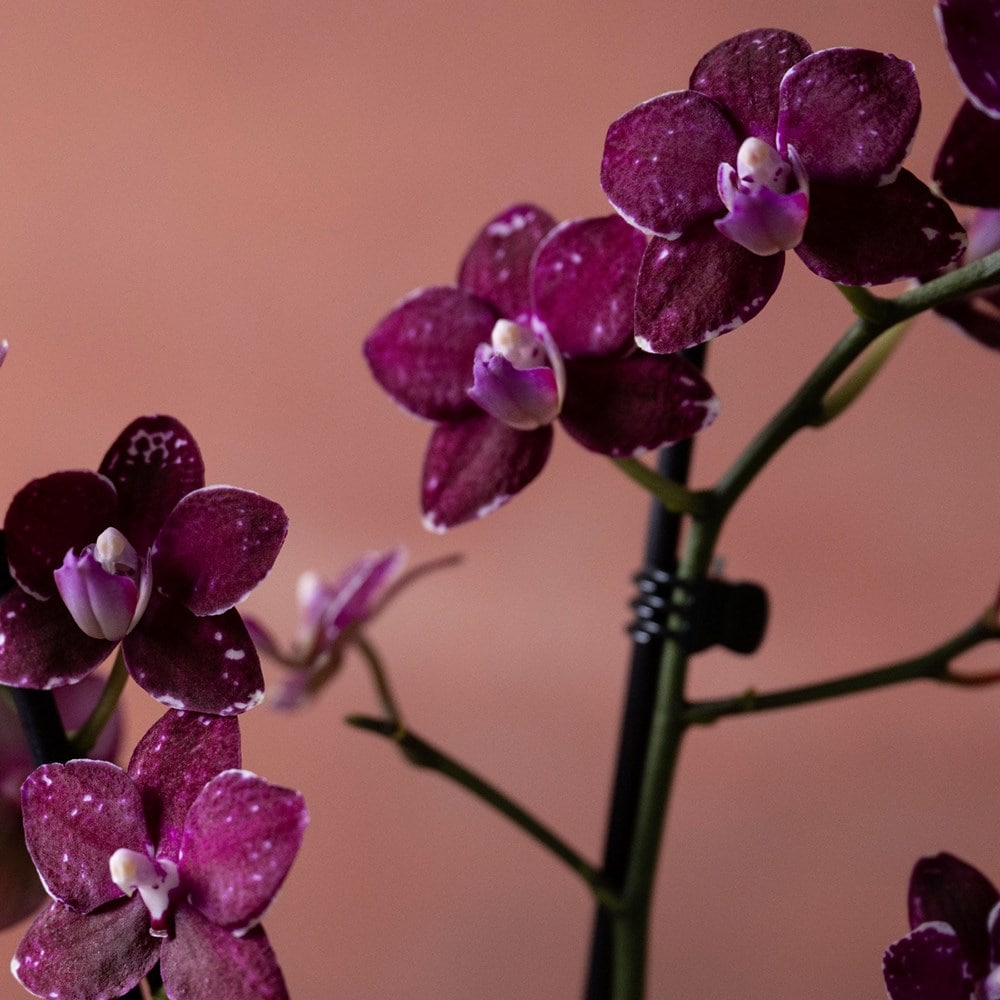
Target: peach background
206	206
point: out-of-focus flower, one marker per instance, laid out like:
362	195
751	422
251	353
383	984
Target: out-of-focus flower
140	552
951	952
183	853
773	147
979	315
332	617
539	326
20	891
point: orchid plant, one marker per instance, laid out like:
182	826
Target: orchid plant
159	873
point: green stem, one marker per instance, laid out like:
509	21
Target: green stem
423	754
87	735
389	704
933	665
674	497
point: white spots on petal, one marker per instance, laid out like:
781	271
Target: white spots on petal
929	233
217	637
235	654
170	701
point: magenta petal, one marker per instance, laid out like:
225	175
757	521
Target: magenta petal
94	956
41	646
584	284
871	236
353	596
698	287
217	544
524	398
971	30
421	353
497	267
50	516
966	167
153	463
927	964
173	762
205	962
76	816
851	115
628	405
200	664
743	74
661	158
241	837
475	466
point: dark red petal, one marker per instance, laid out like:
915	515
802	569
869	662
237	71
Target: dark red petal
944	888
477	465
966	169
94	956
850	114
927	964
196	664
497	267
975	317
661	160
173	762
871	236
743	75
41	646
971	30
240	839
205	962
50	516
421	353
76	816
698	287
584	284
217	544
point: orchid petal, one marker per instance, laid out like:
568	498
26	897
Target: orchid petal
966	166
971	30
743	74
975	317
927	964
475	466
522	398
216	545
851	115
153	463
583	284
871	236
421	353
698	287
660	161
764	221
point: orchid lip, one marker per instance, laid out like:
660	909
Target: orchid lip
155	881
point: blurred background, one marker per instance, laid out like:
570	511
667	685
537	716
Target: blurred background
206	206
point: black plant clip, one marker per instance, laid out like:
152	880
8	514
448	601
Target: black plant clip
713	612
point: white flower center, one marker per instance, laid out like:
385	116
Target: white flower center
155	880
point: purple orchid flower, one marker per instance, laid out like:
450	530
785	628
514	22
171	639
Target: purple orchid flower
538	327
174	860
953	949
774	147
139	552
20	891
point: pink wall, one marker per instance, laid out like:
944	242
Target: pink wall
206	206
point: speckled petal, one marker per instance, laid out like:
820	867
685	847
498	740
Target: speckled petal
50	516
201	664
240	839
628	405
76	816
699	287
66	955
497	267
41	646
205	962
474	467
927	964
944	888
152	463
217	544
421	353
743	74
967	168
850	114
871	236
661	159
971	30
173	762
584	284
